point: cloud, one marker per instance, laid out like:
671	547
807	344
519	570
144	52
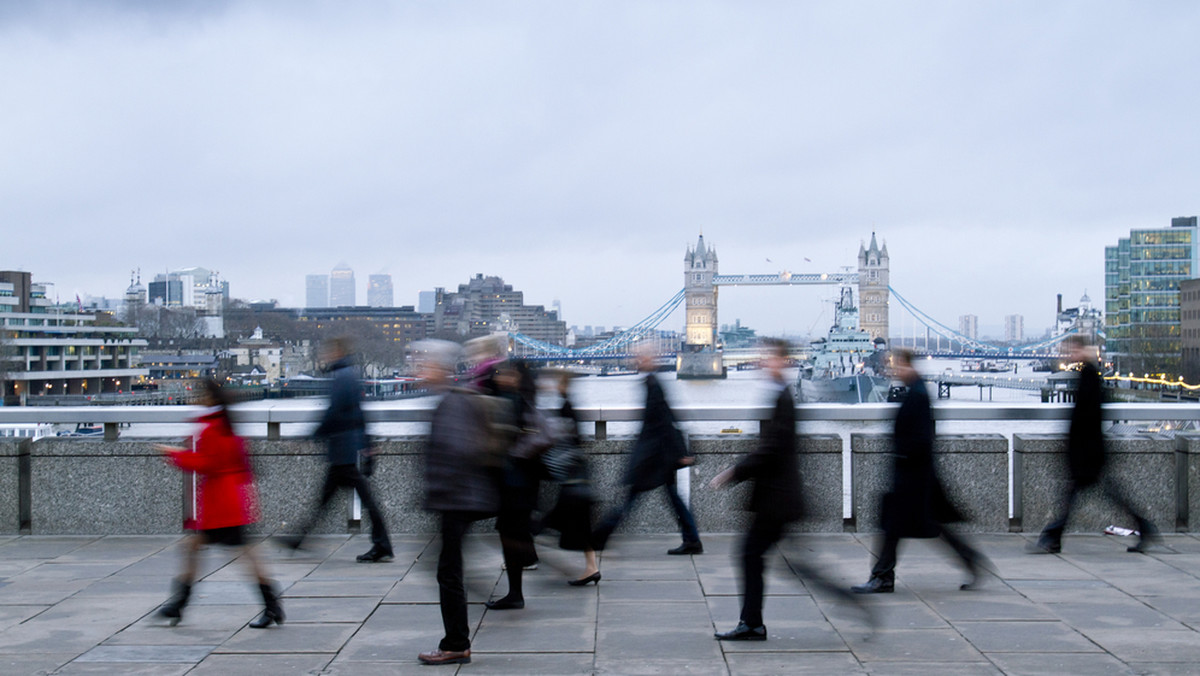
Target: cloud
576	149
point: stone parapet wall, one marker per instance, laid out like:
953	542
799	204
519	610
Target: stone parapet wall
92	486
1142	467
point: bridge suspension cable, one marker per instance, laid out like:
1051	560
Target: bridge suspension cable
978	345
610	345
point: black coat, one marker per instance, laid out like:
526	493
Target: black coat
343	426
917	502
457	476
774	466
1085	440
659	446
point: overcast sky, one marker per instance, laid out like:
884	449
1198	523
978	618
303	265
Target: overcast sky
576	149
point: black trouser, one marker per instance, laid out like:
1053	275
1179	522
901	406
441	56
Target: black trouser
452	592
348	476
885	567
763	533
1053	532
514	523
683	515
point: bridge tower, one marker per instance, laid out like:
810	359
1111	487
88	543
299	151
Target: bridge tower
873	289
699	356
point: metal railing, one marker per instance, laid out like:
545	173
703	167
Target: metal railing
112	417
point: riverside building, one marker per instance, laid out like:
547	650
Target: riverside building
1142	277
49	353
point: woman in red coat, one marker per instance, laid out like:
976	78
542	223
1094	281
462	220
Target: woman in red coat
226	504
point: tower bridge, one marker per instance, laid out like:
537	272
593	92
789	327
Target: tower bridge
700	354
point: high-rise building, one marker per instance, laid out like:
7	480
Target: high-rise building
968	325
316	291
1014	328
379	291
1142	275
426	301
341	287
487	305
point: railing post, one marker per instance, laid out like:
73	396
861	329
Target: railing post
111	431
273	431
601	430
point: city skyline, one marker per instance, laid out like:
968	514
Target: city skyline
576	152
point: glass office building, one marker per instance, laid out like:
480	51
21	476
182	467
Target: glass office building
1142	274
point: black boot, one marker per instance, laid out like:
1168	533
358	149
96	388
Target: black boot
172	610
273	612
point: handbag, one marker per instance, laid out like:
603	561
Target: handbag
535	439
560	462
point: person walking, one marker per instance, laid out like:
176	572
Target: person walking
917	505
460	487
566	463
226	503
344	430
520	481
658	452
1086	457
776	499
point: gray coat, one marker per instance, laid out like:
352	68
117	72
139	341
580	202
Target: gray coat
456	476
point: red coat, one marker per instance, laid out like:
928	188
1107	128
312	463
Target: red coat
225	493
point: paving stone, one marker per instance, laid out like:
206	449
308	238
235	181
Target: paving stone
641	590
910	645
1148	646
525	637
931	669
261	665
291	638
305	609
1057	664
1023	636
78	668
33	662
1131	614
397	633
158	654
807	664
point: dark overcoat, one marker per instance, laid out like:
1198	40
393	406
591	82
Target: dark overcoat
917	503
1085	439
659	446
774	466
344	427
457	475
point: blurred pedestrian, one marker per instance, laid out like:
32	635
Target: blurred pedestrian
567	465
460	486
226	503
344	429
659	451
520	480
1086	456
917	505
776	499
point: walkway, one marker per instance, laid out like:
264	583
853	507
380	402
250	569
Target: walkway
84	605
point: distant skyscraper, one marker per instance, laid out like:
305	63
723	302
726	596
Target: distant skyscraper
316	291
341	287
1014	328
968	325
379	291
426	300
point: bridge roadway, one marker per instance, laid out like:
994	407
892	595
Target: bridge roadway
85	605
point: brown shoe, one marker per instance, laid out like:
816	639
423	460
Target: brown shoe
445	657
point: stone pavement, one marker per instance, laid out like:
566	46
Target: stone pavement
84	605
